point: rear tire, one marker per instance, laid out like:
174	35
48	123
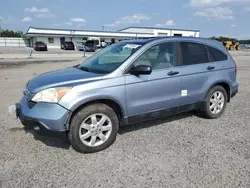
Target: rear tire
215	103
83	128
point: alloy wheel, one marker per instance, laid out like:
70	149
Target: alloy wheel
95	130
217	101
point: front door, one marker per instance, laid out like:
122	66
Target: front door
152	95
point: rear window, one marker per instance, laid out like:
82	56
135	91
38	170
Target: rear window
69	43
216	55
40	42
90	43
193	53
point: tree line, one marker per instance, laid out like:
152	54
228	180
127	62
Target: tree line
10	33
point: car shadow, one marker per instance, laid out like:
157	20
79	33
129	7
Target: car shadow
143	125
51	140
61	140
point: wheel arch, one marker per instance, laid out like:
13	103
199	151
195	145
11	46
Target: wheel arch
225	85
112	103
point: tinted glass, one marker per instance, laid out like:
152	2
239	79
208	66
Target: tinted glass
193	53
160	56
40	42
69	43
216	55
90	43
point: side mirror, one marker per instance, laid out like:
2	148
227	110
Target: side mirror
141	69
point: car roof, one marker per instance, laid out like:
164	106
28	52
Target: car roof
170	38
206	41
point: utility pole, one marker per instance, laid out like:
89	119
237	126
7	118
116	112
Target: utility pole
1	19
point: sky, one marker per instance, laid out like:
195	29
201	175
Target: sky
211	17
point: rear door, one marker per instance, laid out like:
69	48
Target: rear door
198	73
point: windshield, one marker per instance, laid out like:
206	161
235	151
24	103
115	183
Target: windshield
40	42
69	43
90	43
110	58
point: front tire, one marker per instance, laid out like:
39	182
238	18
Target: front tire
215	103
93	128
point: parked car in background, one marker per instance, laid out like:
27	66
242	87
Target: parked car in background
90	46
130	82
244	46
80	46
40	46
68	45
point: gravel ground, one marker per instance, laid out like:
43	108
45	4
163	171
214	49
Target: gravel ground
179	151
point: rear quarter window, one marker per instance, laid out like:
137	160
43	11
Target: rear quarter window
193	53
216	55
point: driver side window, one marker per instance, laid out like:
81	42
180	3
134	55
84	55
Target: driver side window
160	56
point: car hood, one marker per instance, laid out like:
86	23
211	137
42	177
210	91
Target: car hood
61	78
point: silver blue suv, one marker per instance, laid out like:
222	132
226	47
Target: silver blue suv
130	82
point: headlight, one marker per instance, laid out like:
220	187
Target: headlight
52	95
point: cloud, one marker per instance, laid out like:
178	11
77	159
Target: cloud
27	19
1	18
217	13
134	19
36	10
47	15
68	23
167	23
40	13
233	25
247	8
213	3
79	20
65	24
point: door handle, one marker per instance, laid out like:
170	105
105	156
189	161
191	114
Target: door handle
210	68
172	73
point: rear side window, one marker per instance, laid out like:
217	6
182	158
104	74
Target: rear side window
216	55
193	53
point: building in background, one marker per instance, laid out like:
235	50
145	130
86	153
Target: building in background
56	37
162	32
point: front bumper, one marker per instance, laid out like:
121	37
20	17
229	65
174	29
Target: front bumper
41	48
89	49
48	117
69	48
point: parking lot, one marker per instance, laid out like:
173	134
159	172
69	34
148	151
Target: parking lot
179	151
29	54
